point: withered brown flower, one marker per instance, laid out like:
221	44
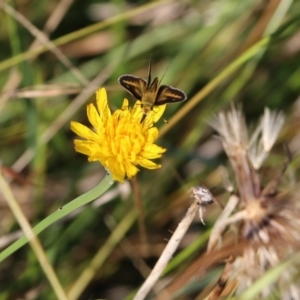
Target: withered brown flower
263	215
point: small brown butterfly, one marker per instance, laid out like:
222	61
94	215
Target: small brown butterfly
151	93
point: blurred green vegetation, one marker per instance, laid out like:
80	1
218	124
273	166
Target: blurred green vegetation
41	91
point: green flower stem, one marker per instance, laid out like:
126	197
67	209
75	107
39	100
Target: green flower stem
89	196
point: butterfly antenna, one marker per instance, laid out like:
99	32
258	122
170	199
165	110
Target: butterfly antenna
165	72
149	73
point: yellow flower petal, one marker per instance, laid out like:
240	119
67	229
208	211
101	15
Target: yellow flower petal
148	164
83	147
131	170
152	151
137	112
157	112
93	116
83	131
151	134
125	104
102	104
116	170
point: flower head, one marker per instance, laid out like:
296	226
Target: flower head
122	140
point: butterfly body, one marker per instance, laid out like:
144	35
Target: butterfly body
151	93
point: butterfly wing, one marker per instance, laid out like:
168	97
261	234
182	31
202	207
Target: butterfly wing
168	94
136	86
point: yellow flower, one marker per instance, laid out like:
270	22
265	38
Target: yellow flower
119	141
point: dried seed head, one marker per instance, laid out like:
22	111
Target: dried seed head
267	219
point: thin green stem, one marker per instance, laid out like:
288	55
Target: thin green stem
89	196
